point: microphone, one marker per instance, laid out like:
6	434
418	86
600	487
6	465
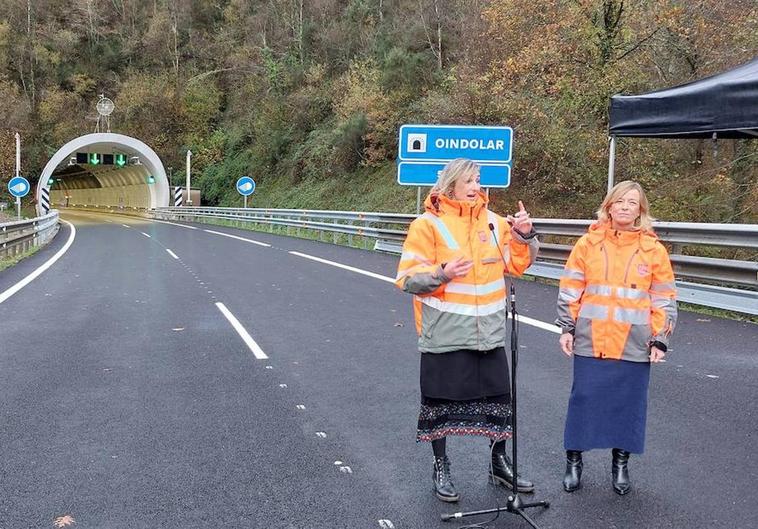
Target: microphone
500	251
497	243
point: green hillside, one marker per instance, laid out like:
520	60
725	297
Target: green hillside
307	97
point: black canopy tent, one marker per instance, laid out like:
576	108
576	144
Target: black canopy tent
721	106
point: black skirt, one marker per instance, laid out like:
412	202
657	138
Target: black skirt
465	392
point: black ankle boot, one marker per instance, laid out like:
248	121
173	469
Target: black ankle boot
443	486
502	472
620	471
573	478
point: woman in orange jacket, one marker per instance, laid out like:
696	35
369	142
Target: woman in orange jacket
617	310
453	262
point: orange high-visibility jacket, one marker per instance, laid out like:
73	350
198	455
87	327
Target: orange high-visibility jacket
617	294
466	312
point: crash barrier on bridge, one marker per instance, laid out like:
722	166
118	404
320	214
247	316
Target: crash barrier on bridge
721	283
19	236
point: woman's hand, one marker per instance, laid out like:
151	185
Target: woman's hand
521	220
458	267
567	343
656	355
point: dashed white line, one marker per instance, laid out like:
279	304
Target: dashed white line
238	238
256	350
31	277
172	254
146	235
126	226
344	267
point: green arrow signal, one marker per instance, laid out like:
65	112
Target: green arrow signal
94	158
121	160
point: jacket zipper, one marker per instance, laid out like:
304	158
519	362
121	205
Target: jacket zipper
476	289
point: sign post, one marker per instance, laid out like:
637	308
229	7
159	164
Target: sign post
424	150
245	187
189	196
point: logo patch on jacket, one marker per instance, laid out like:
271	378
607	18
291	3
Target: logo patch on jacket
643	269
483	236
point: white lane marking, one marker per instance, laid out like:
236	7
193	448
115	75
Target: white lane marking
257	351
106	220
31	277
175	224
345	267
386	524
126	226
172	254
523	319
146	235
321	435
238	238
539	324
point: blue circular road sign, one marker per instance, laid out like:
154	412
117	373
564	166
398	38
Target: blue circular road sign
245	186
19	186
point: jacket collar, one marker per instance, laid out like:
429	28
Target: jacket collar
602	231
438	204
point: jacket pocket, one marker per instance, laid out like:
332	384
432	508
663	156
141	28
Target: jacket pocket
430	317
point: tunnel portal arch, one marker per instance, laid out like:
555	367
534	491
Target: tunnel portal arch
105	186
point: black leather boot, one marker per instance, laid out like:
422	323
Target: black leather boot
502	472
443	486
572	480
620	471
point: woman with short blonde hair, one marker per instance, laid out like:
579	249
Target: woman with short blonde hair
644	221
453	262
617	311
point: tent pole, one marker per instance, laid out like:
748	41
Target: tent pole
612	163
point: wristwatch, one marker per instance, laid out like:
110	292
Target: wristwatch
659	345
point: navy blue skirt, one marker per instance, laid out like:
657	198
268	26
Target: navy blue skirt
608	405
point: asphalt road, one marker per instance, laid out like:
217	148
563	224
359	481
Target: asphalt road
128	399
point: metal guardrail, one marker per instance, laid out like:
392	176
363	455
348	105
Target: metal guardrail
389	230
18	236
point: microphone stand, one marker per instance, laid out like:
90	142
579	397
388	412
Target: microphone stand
514	505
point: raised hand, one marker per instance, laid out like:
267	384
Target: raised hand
521	220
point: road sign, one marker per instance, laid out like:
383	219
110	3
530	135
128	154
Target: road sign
245	186
18	186
432	146
425	174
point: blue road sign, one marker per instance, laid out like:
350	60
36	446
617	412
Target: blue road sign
245	186
425	174
19	186
433	146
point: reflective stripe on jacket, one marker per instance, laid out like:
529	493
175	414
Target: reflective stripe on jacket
466	312
617	294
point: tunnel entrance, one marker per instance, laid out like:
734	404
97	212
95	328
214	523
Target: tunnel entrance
103	170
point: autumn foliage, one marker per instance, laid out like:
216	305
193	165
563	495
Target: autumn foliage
308	96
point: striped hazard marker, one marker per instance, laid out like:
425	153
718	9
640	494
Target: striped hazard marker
178	197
